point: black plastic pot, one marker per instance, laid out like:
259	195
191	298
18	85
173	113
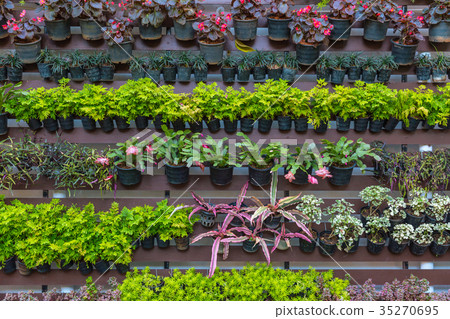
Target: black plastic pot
141	122
395	247
288	74
169	73
273	222
264	125
250	246
65	265
417	249
403	54
9	265
45	70
64	74
307	54
3	73
341	30
184	73
245	30
196	127
306	246
122	268
137	74
342	125
341	176
221	175
50	124
364	218
228	74
259	73
361	124
395	222
323	74
423	73
122	123
243	75
207	219
384	75
432	220
352	249
44	268
301	124
259	177
107	124
129	176
415	221
375	30
177	175
375	126
439	75
66	123
23	270
107	73
322	128
284	123
102	266
390	124
3	124
230	126
34	124
325	248
354	73
85	268
440	32
179	125
182	243
162	243
337	76
301	177
278	29
247	125
369	76
437	249
148	242
200	75
274	74
14	74
121	53
93	74
184	32
155	75
90	29
158	123
213	125
413	124
76	73
149	32
427	126
375	248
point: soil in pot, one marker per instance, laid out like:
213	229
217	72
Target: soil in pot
375	248
365	211
102	266
306	246
247	125
414	220
128	176
85	268
107	124
396	247
162	243
264	125
230	126
438	249
148	242
341	175
259	176
417	249
213	125
182	243
177	175
342	125
221	175
327	243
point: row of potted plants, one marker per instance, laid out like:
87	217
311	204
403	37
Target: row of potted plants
84	237
372	106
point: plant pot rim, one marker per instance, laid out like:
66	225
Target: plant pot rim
273	19
346	19
315	44
393	41
126	169
211	44
175	166
350	167
124	42
58	20
426	245
263	169
29	43
140	21
240	20
388	20
191	19
221	168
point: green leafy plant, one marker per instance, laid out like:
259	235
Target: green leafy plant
403	233
439	207
423	235
374	197
216	152
396	208
310	206
321	109
377	228
441	235
387	62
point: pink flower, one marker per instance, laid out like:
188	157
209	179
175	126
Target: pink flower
289	176
323	172
242	1
41	2
5	26
102	160
22	14
132	150
218	21
108	178
15	27
149	149
327	32
205	146
312	180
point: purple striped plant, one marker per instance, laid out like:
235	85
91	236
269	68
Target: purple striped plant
287	236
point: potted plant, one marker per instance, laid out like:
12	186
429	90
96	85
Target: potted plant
279	16
283	238
343	156
395	211
211	35
200	68
404	47
309	30
184	13
229	107
228	68
169	66
369	69
184	66
260	160
60	67
386	64
154	67
299	165
63	105
137	68
338	66
417	207
44	63
151	15
309	205
374	197
400	238
216	153
441	239
438	209
76	60
3	72
423	237
8	92
244	68
23	33
341	17
344	104
94	105
437	16
412	106
106	67
440	63
91	68
377	230
274	66
209	98
423	68
22	108
297	103
245	18
259	62
92	15
6	9
377	17
176	150
379	99
57	18
290	67
354	61
323	68
320	108
120	40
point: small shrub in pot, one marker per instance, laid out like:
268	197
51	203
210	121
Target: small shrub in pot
44	63
228	68
441	239
290	68
120	39
440	63
423	237
279	16
60	67
309	205
417	207
341	17
438	209
274	66
374	196
137	68
169	66
376	17
338	65
369	67
151	15
200	68
437	16
386	64
184	66
354	61
245	18
395	211
244	68
259	63
323	68
376	230
423	67
400	237
76	61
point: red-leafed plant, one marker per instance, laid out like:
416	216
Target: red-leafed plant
151	12
308	26
343	9
214	28
408	26
279	9
6	8
182	10
93	9
381	10
246	9
437	11
23	30
118	31
55	9
286	236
